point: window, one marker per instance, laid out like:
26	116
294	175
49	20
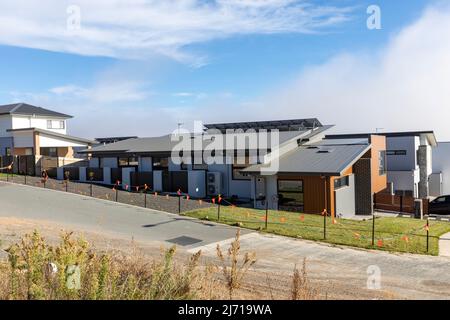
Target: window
202	166
160	163
290	195
7	151
55	124
396	152
237	174
49	152
341	182
439	200
382	163
128	161
240	163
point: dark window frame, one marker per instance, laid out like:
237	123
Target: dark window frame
127	165
396	152
341	182
160	167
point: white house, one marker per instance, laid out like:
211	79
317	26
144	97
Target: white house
409	160
31	130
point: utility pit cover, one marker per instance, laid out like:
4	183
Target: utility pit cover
184	240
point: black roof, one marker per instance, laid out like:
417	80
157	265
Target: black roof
28	109
281	125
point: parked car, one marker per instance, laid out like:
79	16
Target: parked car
440	205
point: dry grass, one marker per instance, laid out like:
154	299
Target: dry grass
38	270
301	287
233	271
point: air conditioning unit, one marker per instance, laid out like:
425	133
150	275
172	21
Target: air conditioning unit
214	183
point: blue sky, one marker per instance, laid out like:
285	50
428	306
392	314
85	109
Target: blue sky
203	73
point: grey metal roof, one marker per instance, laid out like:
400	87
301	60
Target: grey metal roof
315	159
55	134
27	109
164	143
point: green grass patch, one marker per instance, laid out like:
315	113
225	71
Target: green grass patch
391	234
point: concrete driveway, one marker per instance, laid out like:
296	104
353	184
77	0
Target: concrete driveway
83	213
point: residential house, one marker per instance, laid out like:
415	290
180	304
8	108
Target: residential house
154	155
309	173
27	130
409	160
339	175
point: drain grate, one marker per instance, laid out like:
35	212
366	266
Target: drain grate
184	240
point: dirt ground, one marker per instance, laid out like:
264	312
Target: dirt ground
262	282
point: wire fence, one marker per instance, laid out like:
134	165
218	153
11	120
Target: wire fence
412	236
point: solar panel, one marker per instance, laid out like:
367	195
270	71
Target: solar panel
281	125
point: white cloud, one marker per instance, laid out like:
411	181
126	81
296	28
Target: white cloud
404	86
142	28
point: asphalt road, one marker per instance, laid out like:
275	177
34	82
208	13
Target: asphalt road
344	272
101	216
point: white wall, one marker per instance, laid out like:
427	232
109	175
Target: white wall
404	180
48	141
435	184
19	122
271	192
345	199
441	163
399	162
230	187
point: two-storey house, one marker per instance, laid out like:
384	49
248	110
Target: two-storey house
31	130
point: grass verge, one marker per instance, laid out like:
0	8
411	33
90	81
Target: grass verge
391	234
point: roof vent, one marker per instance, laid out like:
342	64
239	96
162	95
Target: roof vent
325	150
313	147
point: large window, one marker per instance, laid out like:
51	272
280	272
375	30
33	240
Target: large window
382	163
55	124
290	195
128	162
160	163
